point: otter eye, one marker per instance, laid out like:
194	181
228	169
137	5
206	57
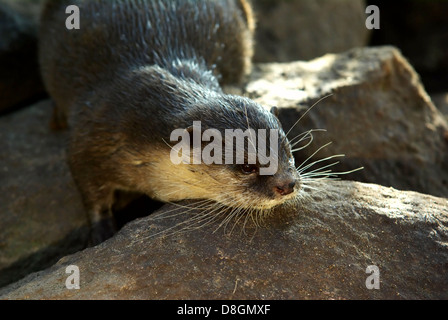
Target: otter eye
249	168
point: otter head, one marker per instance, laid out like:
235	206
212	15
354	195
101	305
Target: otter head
232	151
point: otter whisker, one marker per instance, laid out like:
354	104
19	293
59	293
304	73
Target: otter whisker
320	169
303	135
254	214
205	220
346	172
234	212
309	187
321	176
195	205
328	173
350	171
310	137
315	152
250	214
318	161
308	110
199	220
238	214
260	215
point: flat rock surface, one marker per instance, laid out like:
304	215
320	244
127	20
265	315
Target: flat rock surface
317	250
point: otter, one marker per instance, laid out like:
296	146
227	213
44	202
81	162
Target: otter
137	70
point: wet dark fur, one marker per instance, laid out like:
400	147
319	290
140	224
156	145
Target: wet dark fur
134	72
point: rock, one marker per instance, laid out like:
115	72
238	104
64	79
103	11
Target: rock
378	115
441	102
41	216
303	29
19	77
317	250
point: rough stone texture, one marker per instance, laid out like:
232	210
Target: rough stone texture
41	216
318	251
19	72
289	30
378	115
441	102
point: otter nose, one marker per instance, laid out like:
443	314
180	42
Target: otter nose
285	189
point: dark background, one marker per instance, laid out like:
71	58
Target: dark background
419	28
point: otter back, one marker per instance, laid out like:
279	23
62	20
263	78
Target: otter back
117	35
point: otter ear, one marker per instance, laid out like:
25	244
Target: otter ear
274	111
189	129
193	128
192	131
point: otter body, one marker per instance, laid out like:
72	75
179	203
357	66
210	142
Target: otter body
137	70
